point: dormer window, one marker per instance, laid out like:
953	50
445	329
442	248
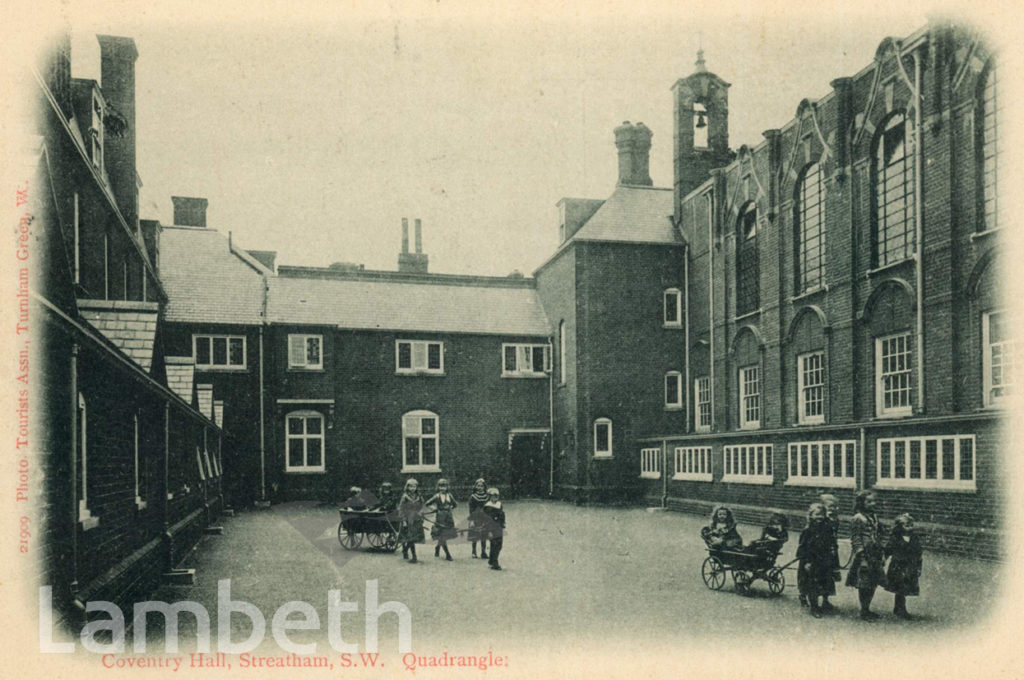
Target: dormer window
96	133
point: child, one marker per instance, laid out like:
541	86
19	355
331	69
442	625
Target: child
495	526
722	534
411	530
477	531
831	504
444	524
817	560
773	536
866	569
386	498
904	547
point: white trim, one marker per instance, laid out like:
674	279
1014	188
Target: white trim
807	461
692	463
85	517
304	363
419	357
561	352
801	376
603	453
523	356
697	389
895	411
1007	349
902	462
666	323
747	464
420	437
305	401
305	416
650	463
210	365
678	403
139	502
755	396
77	236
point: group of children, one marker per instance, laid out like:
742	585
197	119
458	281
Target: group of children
818	552
486	517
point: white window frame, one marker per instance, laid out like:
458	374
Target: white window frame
417	349
692	463
603	453
561	352
650	463
1007	351
808	462
747	464
420	437
85	516
210	365
749	402
904	410
803	387
300	341
140	503
886	459
677	307
305	436
673	402
524	360
701	399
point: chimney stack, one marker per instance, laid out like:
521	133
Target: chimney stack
117	73
412	263
624	143
634	145
189	212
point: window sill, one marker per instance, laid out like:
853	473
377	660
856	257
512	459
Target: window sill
827	482
650	475
222	369
674	407
421	468
672	325
926	485
895	415
88	521
764	480
528	376
750	426
815	421
602	456
809	293
140	504
692	477
413	374
170	496
887	267
303	471
747	315
306	369
702	430
983	234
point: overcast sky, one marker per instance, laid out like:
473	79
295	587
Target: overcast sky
314	138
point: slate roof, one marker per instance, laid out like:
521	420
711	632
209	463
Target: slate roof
205	281
129	324
180	375
407	305
632	214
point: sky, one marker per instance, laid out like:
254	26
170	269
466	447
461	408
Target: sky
314	136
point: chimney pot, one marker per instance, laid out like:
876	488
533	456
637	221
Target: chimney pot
405	234
419	237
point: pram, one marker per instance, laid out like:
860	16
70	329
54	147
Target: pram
746	564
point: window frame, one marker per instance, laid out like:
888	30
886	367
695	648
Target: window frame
885	477
746	423
989	150
699	403
676	405
96	141
739	459
806	221
799	467
305	415
413	369
85	516
676	308
304	338
885	179
902	411
420	436
610	451
521	351
692	463
747	267
650	463
802	387
210	365
140	502
561	352
988	364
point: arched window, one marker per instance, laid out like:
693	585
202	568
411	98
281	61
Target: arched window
304	442
602	438
894	193
747	268
989	150
420	442
561	353
810	229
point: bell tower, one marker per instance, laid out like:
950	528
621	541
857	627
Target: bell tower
701	128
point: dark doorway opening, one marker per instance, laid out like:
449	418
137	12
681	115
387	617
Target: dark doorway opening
529	463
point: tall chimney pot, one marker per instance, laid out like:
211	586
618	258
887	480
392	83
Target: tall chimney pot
405	234
419	236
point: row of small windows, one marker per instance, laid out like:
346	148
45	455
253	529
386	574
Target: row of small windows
942	461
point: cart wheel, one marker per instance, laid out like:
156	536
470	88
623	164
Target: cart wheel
391	541
741	580
350	540
375	540
713	572
776	581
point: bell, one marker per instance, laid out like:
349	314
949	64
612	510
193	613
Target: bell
701	120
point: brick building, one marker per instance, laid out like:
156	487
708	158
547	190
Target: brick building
126	469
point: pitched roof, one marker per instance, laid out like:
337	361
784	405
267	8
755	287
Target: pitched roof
206	281
633	214
180	376
129	324
363	303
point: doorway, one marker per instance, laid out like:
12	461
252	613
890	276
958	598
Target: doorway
528	464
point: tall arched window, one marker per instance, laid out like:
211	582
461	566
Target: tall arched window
990	150
810	225
894	192
747	270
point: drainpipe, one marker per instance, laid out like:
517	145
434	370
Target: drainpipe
861	465
919	227
73	458
263	453
687	387
167	484
711	298
551	420
664	474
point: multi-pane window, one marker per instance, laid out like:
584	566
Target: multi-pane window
561	353
811	387
702	399
305	351
693	463
937	462
304	442
894	193
673	390
96	134
748	274
750	463
990	150
811	229
525	360
219	351
999	358
602	438
672	314
750	396
420	451
823	463
892	370
650	463
419	356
